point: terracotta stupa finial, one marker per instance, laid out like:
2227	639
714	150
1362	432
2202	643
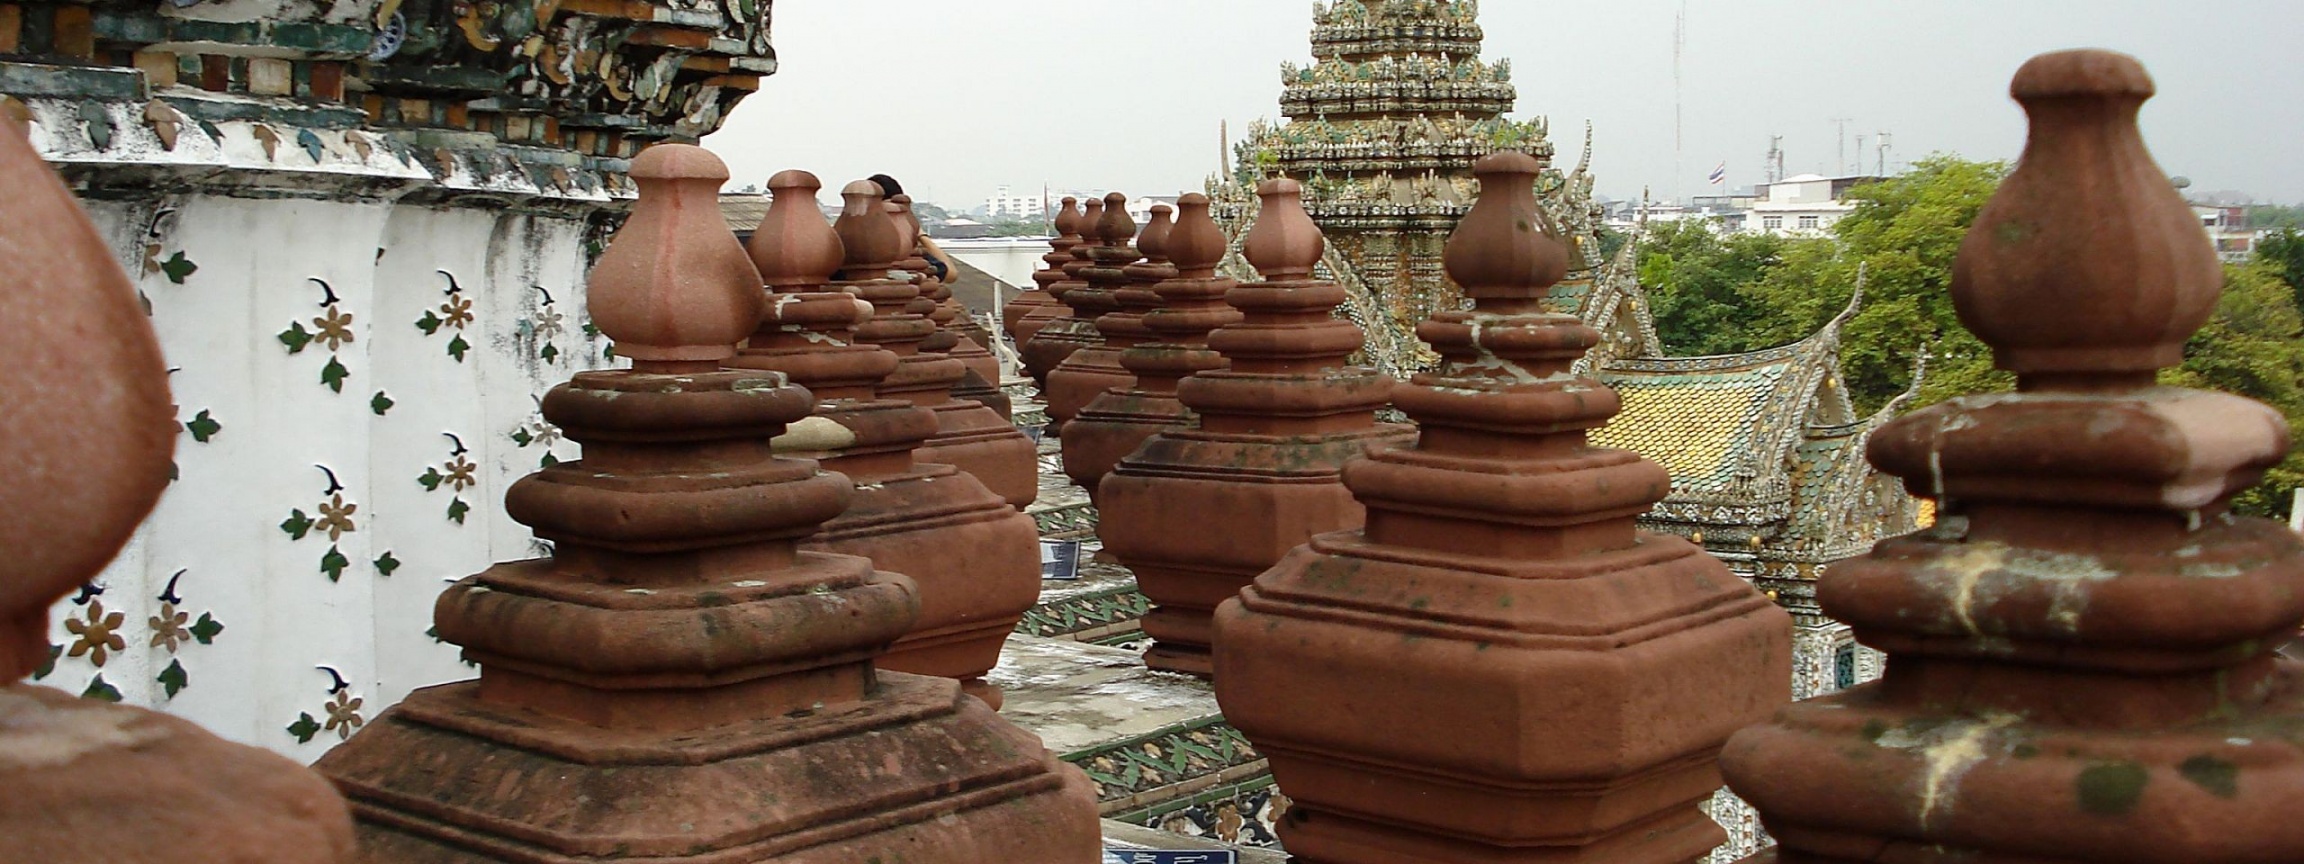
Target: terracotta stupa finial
1154	241
872	242
675	286
794	247
1116	228
1285	242
2087	635
1068	220
2087	265
899	210
89	428
1404	679
1196	244
1501	250
1090	227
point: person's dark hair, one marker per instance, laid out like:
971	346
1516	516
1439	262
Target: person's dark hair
889	188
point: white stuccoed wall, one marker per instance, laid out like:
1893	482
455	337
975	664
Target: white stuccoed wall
258	260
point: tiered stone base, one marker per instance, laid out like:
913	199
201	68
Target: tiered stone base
492	785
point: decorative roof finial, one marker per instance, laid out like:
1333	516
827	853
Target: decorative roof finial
1116	228
1502	250
794	247
1285	243
2086	269
1154	241
674	285
872	241
1196	244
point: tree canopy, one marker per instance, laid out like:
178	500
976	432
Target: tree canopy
1714	294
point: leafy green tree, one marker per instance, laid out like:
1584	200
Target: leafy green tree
1696	278
2283	251
1902	236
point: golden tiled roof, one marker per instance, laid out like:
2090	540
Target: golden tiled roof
1701	426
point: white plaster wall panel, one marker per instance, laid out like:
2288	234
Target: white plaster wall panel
527	253
311	430
422	326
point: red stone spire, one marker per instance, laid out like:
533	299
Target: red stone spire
1095	366
1275	430
677	645
84	453
1012	315
1167	312
1042	356
969	435
976	558
2081	650
1500	667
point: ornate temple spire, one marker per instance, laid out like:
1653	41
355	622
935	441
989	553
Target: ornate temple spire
1500	667
2082	650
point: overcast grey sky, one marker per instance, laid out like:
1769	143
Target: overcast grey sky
956	98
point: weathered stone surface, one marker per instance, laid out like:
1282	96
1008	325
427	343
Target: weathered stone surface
976	559
1265	461
1162	333
680	681
1500	667
2083	658
1095	366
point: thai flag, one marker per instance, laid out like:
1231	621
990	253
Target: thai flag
1720	174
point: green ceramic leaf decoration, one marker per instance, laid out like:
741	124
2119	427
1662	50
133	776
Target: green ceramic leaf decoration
304	728
380	403
48	668
334	563
457	347
431	480
548	461
296	337
178	268
203	427
173	678
206	629
385	563
457	508
98	688
311	144
521	437
334	374
430	323
297	524
549	353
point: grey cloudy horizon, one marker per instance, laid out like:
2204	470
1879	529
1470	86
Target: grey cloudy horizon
956	99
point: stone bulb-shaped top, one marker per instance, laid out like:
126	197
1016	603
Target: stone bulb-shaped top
1285	243
1115	227
674	285
86	439
872	241
2087	264
1154	241
1196	244
794	247
899	210
1068	219
1090	225
1502	250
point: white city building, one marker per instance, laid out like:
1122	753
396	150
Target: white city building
1004	204
1802	206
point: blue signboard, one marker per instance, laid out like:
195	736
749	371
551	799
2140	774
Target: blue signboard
1169	856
